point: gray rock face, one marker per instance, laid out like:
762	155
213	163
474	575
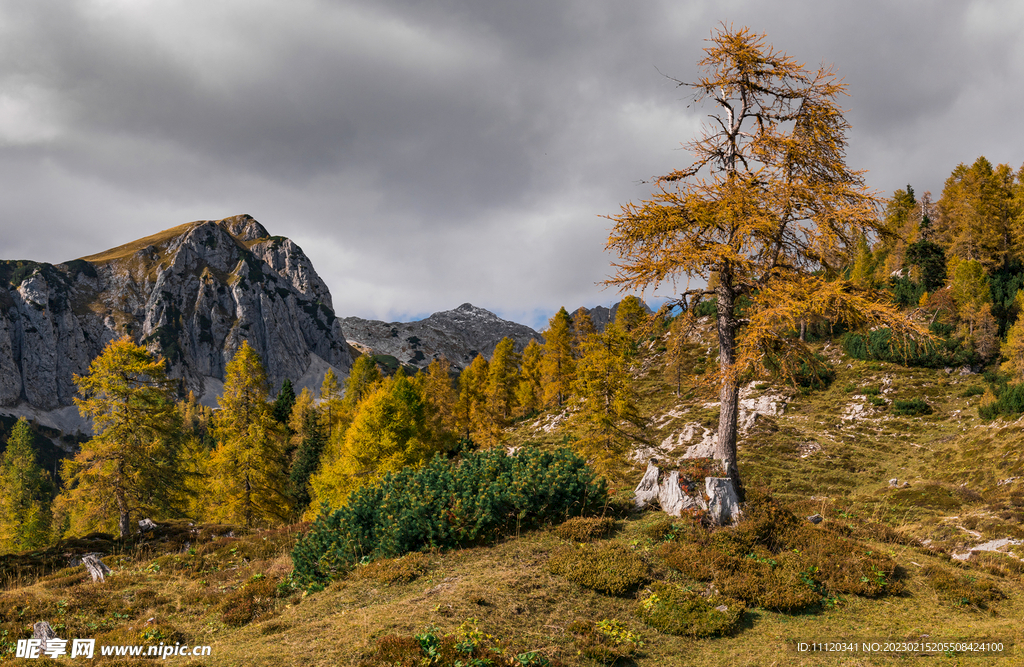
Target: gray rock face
458	335
192	293
602	317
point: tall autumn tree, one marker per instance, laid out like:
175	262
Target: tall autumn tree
529	391
502	380
132	463
606	419
26	492
249	481
390	430
558	363
768	212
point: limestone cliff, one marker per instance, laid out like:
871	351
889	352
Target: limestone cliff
192	293
458	335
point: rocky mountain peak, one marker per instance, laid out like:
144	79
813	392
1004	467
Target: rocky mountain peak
192	293
457	335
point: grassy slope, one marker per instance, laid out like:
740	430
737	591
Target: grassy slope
809	457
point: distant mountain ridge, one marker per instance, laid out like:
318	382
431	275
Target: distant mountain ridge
458	335
192	293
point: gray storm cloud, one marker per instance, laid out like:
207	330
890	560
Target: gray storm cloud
428	154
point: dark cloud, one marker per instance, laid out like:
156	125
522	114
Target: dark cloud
427	154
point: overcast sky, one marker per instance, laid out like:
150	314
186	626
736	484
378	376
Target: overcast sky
425	154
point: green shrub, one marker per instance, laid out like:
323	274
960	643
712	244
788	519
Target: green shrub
911	408
1009	401
973	390
607	568
818	375
480	498
677	611
879	345
585	529
660	530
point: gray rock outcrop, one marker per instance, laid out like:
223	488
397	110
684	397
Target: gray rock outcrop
192	293
457	335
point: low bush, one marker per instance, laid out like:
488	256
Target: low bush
677	611
776	561
476	500
69	576
394	570
1009	401
911	408
607	568
962	589
585	529
253	600
605	641
879	345
660	530
466	646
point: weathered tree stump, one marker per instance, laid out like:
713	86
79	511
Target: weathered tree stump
723	503
672	499
647	490
42	630
96	567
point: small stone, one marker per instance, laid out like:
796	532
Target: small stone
146	525
816	519
893	483
722	608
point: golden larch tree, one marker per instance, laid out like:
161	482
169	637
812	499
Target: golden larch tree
768	213
249	480
132	463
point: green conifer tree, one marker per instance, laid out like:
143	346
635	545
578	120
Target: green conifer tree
26	492
284	402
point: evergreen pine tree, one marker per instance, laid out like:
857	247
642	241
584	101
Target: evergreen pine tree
284	402
26	491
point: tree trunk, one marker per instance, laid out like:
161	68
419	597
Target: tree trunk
124	525
729	393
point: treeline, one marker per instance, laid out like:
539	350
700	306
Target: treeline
260	460
959	261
